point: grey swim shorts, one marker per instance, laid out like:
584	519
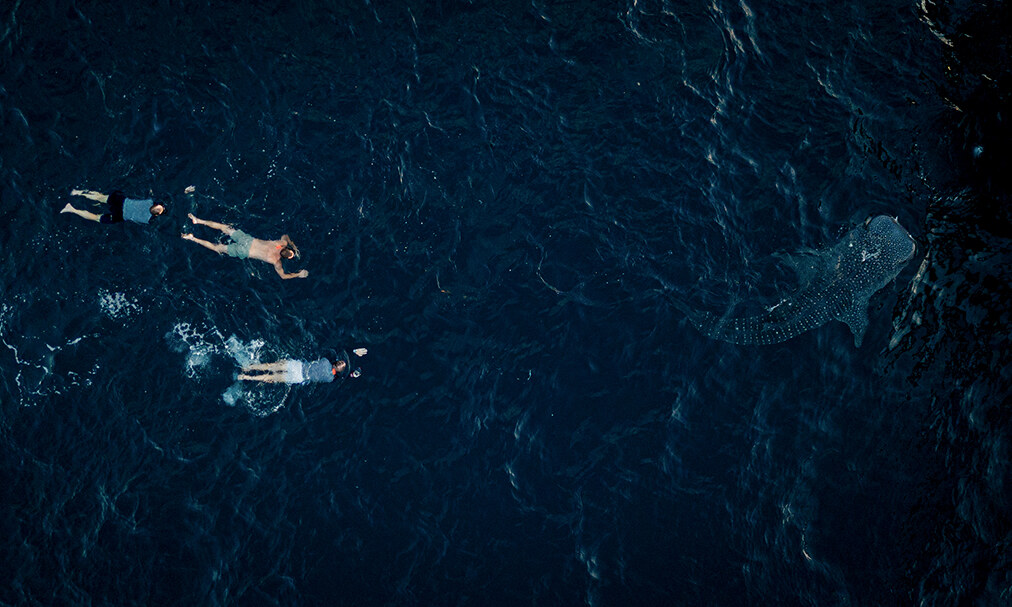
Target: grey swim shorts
294	373
239	247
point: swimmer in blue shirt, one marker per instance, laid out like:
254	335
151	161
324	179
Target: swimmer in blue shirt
244	246
121	208
289	371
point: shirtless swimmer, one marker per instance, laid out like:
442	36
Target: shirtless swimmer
244	246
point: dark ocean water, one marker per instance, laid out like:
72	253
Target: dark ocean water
507	204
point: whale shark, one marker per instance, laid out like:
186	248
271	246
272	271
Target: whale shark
837	284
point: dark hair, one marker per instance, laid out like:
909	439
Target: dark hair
290	246
288	252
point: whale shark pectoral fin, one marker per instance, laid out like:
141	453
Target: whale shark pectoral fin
807	264
855	316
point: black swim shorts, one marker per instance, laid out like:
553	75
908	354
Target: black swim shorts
115	214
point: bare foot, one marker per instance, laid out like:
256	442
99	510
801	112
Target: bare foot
76	192
189	189
67	209
192	217
186	236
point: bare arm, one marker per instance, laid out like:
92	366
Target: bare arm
285	275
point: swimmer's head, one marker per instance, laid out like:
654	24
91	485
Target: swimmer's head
338	367
157	209
288	250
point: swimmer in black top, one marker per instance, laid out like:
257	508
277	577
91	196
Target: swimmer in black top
121	208
291	371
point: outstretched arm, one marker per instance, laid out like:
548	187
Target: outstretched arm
91	194
80	213
285	275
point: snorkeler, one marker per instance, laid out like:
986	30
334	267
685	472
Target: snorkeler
244	246
121	208
289	371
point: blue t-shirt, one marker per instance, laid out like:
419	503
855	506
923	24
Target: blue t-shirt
137	211
318	371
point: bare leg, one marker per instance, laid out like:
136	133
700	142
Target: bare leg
80	213
227	229
272	378
244	377
280	365
217	248
97	196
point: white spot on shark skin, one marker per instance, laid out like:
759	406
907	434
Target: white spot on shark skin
840	284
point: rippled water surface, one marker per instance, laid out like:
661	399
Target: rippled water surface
511	205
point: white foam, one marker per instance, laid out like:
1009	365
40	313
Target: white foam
244	354
196	359
201	346
203	343
232	395
118	306
34	363
258	398
198	346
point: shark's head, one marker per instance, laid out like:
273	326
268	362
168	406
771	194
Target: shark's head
897	244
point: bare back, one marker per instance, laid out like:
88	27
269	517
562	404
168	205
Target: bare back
266	250
270	251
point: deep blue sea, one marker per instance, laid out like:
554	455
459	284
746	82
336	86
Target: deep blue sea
510	205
